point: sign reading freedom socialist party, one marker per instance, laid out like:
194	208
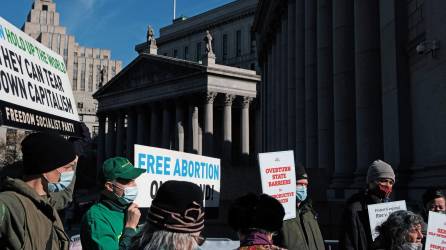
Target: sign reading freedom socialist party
162	165
35	92
279	179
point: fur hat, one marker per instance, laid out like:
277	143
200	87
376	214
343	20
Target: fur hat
256	212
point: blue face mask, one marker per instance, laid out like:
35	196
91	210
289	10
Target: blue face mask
65	180
130	194
301	193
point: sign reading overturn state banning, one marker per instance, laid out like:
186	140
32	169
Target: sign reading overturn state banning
436	232
163	165
378	213
279	179
35	92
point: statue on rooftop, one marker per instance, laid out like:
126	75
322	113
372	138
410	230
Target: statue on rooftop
208	40
150	37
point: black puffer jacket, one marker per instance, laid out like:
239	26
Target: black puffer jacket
356	233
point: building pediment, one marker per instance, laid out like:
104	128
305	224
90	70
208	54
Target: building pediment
150	70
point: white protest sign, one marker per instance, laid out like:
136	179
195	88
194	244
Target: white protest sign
436	232
378	213
163	165
35	91
279	179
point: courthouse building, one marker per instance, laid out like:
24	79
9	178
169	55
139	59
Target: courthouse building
346	82
231	29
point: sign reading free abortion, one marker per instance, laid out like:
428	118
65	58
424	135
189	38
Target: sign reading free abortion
35	92
164	165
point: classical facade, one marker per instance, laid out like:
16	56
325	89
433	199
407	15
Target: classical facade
230	26
83	64
186	106
346	82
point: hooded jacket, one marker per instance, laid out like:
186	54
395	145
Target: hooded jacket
28	220
302	232
356	233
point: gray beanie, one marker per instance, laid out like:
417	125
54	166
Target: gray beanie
380	170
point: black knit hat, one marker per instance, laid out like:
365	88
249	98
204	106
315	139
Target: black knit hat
178	207
43	152
253	211
300	172
433	193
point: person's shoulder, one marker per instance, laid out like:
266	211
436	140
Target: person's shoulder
355	201
95	211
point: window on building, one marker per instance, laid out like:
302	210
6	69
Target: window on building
225	47
113	71
80	105
238	43
81	118
198	51
75	75
45	7
253	42
175	53
105	57
82	88
186	53
90	77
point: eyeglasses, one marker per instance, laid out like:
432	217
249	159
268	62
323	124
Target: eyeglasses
199	239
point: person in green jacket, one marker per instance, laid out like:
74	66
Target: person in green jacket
112	222
302	232
28	208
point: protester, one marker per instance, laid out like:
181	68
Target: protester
356	233
303	231
28	218
434	200
175	219
256	218
401	231
112	222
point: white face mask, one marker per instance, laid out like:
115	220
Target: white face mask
65	180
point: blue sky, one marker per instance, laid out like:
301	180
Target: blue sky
112	24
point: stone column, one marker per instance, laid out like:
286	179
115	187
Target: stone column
120	133
325	84
141	124
154	128
344	93
368	87
310	84
193	129
179	126
291	63
131	132
299	70
101	143
283	125
165	142
209	124
111	136
227	128
269	104
245	125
